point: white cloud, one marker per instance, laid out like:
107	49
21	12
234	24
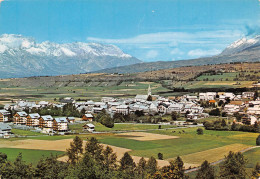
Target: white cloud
152	54
174	44
174	38
203	53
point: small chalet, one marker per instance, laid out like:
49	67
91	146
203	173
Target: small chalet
20	118
248	95
60	124
46	123
89	127
192	116
5	130
33	120
71	119
4	116
87	117
249	120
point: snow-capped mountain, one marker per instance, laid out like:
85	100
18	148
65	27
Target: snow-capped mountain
241	44
22	56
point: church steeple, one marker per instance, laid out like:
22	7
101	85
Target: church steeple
149	91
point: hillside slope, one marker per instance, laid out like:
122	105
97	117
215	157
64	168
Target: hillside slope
243	50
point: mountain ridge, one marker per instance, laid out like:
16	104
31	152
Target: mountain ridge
22	56
248	51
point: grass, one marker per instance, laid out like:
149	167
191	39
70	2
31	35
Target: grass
29	156
188	143
21	132
252	156
130	143
193	148
213	155
120	127
223	76
89	91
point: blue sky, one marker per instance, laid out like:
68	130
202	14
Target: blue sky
149	30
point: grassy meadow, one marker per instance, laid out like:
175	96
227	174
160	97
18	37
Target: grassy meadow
86	92
120	127
192	148
30	156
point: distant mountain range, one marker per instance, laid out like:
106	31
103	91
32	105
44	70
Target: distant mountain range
22	57
243	50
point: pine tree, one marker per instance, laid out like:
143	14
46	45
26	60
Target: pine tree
256	171
21	169
233	166
174	171
94	149
127	162
141	167
75	150
151	166
109	158
206	171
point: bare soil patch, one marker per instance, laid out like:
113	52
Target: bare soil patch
58	145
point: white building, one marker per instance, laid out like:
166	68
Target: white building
5	130
122	109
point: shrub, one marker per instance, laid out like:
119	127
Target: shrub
107	121
160	156
258	140
215	112
200	131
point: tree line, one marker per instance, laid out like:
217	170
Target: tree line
222	125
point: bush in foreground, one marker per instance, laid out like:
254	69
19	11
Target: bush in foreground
200	131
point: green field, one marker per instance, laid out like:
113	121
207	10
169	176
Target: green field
189	142
252	156
21	132
89	91
30	156
120	127
219	77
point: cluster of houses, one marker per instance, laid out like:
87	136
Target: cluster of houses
244	105
159	105
148	104
47	124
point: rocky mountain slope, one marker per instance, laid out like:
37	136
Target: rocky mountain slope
21	56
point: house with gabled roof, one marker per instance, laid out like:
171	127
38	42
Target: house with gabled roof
20	118
71	119
46	123
89	127
4	115
33	120
87	117
60	124
5	130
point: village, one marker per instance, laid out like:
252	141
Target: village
193	108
